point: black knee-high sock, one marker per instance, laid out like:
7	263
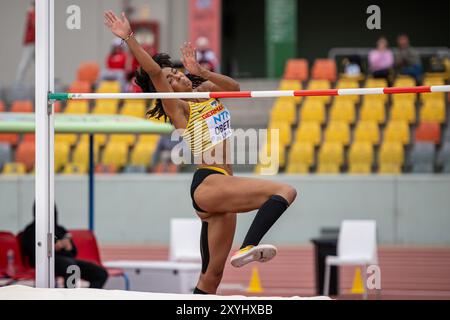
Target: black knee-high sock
267	215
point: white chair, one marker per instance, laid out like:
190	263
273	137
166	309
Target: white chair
185	240
357	245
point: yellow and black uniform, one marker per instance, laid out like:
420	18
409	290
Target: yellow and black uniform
208	125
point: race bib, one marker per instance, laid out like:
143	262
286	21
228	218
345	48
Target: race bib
218	121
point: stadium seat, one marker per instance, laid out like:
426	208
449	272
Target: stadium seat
391	157
433	81
80	87
320	84
116	154
403	110
331	157
14	168
62	153
25	153
313	110
9	242
308	132
29	137
108	87
373	110
301	157
348	84
285	136
75	168
404	81
367	131
338	132
99	139
149	138
81	153
361	157
128	139
103	106
428	132
22	106
68	138
142	153
10	138
397	131
77	107
423	157
432	96
88	71
284	110
134	108
324	69
2	106
376	83
105	168
342	111
433	111
296	69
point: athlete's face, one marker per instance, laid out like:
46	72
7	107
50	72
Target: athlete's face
177	79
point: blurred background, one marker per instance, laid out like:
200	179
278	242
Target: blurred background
380	158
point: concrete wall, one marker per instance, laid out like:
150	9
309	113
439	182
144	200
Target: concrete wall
92	42
138	208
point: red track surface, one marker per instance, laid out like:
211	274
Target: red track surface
406	272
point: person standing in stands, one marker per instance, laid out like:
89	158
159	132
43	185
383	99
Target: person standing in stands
65	255
28	51
381	60
205	56
407	59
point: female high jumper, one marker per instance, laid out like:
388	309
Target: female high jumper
217	195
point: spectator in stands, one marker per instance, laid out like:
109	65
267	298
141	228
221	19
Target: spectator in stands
28	51
116	64
162	156
65	255
407	59
205	56
381	60
352	66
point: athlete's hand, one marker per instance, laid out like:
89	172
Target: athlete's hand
189	59
120	27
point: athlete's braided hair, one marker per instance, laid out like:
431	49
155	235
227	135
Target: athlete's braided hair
143	80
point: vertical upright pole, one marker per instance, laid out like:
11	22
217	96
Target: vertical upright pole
91	182
44	181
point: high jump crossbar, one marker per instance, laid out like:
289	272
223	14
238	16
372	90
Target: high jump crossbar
249	94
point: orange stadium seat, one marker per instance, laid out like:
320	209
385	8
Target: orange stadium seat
22	106
324	69
10	138
25	153
296	69
2	106
428	132
88	71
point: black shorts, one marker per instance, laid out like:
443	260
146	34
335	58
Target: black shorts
200	175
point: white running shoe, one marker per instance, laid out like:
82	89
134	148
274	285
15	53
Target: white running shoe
260	253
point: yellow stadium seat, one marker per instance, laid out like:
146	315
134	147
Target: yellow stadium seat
142	154
108	87
338	132
62	152
14	168
77	107
433	111
285	136
397	131
68	138
360	157
367	131
128	139
115	154
284	110
149	138
266	154
331	157
309	132
433	81
342	111
312	110
99	139
432	96
75	168
404	81
301	157
403	110
134	108
376	83
348	84
291	85
320	85
390	157
373	110
81	153
104	106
